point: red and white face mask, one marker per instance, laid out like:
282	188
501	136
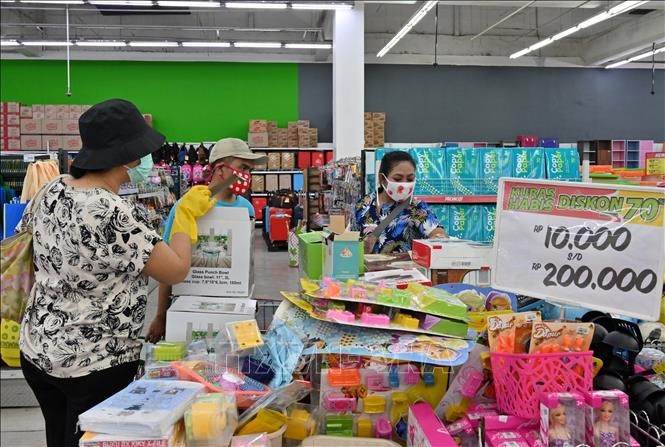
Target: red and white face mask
243	181
399	191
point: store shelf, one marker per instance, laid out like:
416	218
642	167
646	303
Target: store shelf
316	149
457	199
277	172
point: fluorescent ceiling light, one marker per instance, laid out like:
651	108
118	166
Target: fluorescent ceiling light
153	44
255	5
618	64
100	43
46	43
613	12
187	4
54	2
322	6
206	44
308	46
9	43
393	2
257	44
417	17
121	2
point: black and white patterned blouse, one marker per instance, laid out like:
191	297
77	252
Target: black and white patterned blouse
87	307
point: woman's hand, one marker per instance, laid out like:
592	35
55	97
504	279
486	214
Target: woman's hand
157	329
193	205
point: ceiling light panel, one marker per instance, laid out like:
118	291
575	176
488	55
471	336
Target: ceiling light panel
321	6
417	17
152	44
54	2
206	44
308	46
255	5
47	43
187	4
101	43
257	44
121	2
9	43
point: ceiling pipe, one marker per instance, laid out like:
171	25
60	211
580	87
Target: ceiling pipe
517	11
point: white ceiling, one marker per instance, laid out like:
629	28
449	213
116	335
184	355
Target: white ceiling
458	23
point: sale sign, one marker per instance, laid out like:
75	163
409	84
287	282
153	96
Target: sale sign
586	245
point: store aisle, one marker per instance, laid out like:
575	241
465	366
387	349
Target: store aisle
24	427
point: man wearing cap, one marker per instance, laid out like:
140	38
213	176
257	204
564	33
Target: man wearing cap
228	157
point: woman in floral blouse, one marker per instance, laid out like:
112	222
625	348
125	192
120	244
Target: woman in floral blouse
93	253
396	183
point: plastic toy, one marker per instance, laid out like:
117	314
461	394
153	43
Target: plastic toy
211	419
165	351
383	429
340	315
374	319
393	376
374	404
300	424
244	334
406	320
376	383
339	425
431	394
428	376
364	426
412	376
338	402
265	421
399	406
339	377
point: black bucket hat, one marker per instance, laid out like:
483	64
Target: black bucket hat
114	133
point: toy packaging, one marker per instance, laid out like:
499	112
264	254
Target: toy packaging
511	333
528	162
427	430
608	419
550	337
562	419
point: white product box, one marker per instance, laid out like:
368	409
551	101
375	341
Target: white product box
451	254
222	263
196	316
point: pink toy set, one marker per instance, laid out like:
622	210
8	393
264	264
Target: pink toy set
426	429
562	419
608	420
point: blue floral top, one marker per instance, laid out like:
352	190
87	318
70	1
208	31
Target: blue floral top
415	222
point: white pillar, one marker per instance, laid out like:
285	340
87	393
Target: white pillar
349	81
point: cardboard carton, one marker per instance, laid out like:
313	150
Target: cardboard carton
10	108
70	127
52	142
285	181
342	252
258	183
258	126
74	108
85	107
272	125
37	108
26	112
288	160
222	262
31	143
77	115
10	132
62	115
71	142
274	161
310	254
378	116
196	317
260	166
302	124
11	120
292	125
272	182
50	109
31	126
52	127
313	137
368	116
62	108
257	139
37	115
13	144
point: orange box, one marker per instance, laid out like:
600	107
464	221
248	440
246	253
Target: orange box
52	127
26	112
52	142
31	126
71	142
70	127
31	143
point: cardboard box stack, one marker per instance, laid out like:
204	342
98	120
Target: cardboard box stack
264	133
375	129
40	126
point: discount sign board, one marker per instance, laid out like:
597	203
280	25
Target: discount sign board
601	247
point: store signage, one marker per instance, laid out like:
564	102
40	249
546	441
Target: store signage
655	163
600	247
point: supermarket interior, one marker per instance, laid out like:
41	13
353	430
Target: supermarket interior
322	223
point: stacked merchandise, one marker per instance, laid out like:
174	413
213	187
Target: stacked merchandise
10	126
375	129
344	177
468	179
264	133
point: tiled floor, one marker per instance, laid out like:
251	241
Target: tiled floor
24	427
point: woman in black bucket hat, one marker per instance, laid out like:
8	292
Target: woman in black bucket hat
93	253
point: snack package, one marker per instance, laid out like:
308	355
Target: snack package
553	337
509	333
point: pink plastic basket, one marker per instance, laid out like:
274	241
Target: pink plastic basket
518	378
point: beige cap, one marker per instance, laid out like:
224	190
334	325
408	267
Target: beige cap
233	147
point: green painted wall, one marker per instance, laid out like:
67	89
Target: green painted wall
189	101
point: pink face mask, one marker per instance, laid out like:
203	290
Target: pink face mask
399	191
243	181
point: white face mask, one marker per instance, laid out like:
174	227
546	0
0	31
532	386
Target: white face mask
399	191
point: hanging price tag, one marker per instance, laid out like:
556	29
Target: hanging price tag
601	247
28	158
